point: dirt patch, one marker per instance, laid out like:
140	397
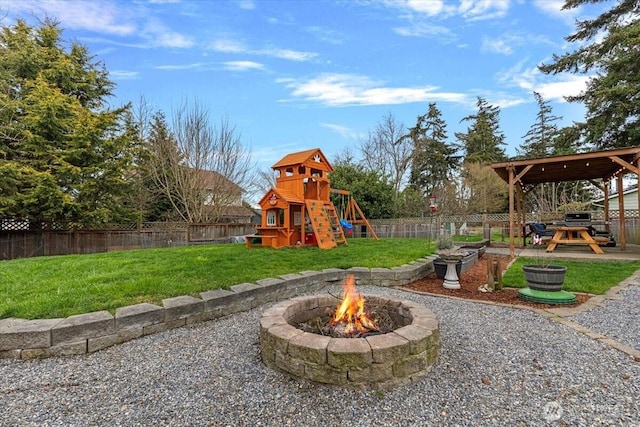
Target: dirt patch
476	277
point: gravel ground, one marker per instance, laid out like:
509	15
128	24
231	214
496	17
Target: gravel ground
498	366
618	319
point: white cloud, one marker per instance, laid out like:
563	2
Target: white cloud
102	17
500	46
246	4
551	7
106	17
242	65
476	10
566	85
551	87
507	43
228	46
124	75
326	34
518	76
291	55
205	66
195	66
421	14
343	131
424	29
421	7
506	101
347	89
234	46
161	36
431	8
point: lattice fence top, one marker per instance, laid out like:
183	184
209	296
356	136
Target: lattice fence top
26	225
497	218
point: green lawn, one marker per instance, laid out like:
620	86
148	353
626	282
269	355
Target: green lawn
589	277
50	287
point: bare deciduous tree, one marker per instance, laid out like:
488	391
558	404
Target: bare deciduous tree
264	180
387	150
201	168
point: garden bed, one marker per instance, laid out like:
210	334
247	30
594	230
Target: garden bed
474	278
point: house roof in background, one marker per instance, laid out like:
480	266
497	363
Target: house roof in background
604	165
213	179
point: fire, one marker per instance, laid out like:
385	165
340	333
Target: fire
350	311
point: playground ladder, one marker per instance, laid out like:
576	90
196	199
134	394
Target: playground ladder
325	224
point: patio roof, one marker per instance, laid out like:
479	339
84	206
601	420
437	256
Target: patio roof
594	166
604	165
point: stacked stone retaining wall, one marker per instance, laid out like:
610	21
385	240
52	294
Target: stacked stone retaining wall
90	332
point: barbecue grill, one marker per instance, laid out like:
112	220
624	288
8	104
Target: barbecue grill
583	219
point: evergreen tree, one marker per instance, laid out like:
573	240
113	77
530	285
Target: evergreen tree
610	50
162	149
484	140
539	140
543	140
433	161
63	155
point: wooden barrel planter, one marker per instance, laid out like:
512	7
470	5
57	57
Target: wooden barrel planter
544	278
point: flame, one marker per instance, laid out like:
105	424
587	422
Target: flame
350	311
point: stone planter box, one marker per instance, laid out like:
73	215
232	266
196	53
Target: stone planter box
480	249
465	264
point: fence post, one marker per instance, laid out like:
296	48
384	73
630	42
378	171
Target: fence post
76	241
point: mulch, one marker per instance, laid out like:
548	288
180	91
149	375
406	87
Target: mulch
476	277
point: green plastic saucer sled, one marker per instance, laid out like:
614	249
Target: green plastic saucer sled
547	297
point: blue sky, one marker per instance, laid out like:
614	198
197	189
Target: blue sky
294	75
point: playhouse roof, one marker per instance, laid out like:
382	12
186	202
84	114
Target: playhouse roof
313	157
286	195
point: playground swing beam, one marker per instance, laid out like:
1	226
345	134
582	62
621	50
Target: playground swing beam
352	210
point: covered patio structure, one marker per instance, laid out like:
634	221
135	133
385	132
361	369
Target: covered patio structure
598	167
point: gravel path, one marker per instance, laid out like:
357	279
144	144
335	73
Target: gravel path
498	367
617	318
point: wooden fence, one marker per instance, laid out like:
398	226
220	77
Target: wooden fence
488	225
16	242
31	243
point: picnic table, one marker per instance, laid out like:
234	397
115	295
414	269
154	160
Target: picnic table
573	235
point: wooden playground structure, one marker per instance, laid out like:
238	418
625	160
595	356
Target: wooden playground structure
298	210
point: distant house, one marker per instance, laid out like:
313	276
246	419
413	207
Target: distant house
224	198
630	199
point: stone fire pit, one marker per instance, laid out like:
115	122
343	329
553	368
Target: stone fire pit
382	360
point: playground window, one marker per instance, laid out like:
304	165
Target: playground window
271	218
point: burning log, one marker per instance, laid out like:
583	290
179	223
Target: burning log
350	315
354	317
